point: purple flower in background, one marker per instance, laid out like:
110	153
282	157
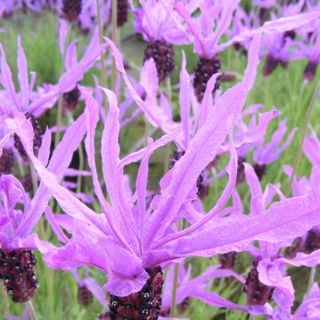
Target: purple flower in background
308	309
87	288
16	259
197	288
309	49
16	237
161	29
267	153
206	41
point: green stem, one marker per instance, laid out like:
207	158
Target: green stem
6	306
21	169
312	277
34	179
304	132
81	166
59	120
174	290
114	39
102	56
31	310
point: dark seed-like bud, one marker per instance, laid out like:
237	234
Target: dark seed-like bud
143	305
227	260
85	296
36	140
310	71
70	99
270	65
163	55
291	34
204	70
298	245
122	12
203	189
6	161
27	182
240	169
71	9
260	170
312	241
263	15
17	274
257	292
182	307
176	157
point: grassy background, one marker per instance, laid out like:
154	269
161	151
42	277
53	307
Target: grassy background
285	89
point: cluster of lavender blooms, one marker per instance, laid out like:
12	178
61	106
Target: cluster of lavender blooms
142	239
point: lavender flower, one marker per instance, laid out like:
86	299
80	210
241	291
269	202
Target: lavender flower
160	29
137	239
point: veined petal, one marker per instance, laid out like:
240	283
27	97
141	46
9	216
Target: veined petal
67	201
116	183
59	162
23	76
202	149
7	82
271	225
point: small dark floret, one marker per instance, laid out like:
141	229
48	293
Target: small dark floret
203	189
312	241
310	71
270	65
6	161
122	12
240	169
142	305
85	296
257	292
163	54
70	99
27	182
71	9
227	260
205	68
36	140
17	274
260	170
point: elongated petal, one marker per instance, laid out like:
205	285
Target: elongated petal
114	178
232	234
23	76
184	99
255	189
44	151
271	275
7	82
68	202
202	149
302	259
155	115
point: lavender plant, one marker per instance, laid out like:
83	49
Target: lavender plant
197	205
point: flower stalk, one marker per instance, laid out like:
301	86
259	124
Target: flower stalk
102	55
304	132
114	39
31	310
